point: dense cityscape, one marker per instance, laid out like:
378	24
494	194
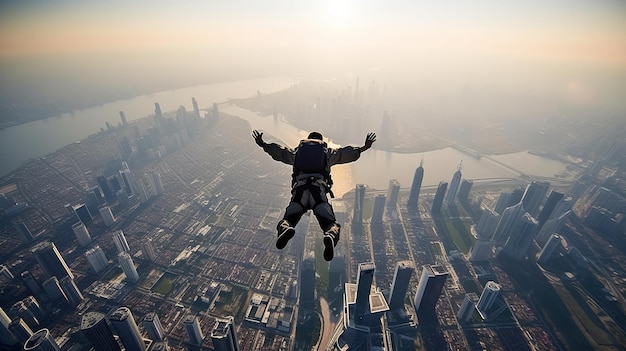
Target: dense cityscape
158	234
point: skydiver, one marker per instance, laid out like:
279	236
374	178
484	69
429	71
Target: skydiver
310	182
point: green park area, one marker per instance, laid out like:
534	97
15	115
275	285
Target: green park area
454	229
165	284
232	302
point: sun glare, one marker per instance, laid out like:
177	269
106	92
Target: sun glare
340	13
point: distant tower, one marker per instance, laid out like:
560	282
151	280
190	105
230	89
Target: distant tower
489	295
152	325
31	283
534	195
467	307
41	341
128	266
416	185
27	236
521	237
157	110
429	288
94	326
363	287
126	328
551	226
192	325
54	290
147	250
487	224
549	206
502	203
549	248
481	250
127	180
20	330
400	285
379	208
51	261
19	309
224	336
7	338
359	199
109	194
507	220
307	280
83	214
32	305
81	233
120	242
438	200
454	185
123	117
107	215
196	110
392	193
97	259
464	190
72	291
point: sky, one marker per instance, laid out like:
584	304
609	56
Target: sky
573	50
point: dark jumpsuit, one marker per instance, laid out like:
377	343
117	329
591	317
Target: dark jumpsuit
308	191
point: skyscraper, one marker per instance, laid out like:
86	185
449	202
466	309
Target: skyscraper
429	288
107	190
128	266
487	224
551	226
81	233
107	215
97	259
7	338
534	195
119	239
379	208
359	199
31	283
20	330
147	249
549	206
123	117
53	289
522	234
224	336
363	285
152	325
467	307
502	203
507	220
192	325
488	296
74	296
392	193
25	233
438	200
83	213
549	248
126	328
416	186
42	340
400	285
464	190
196	110
51	261
454	185
94	326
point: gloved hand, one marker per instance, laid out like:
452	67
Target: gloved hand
369	140
258	137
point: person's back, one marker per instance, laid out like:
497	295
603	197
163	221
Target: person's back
311	181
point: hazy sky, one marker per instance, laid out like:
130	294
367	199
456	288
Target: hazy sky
568	48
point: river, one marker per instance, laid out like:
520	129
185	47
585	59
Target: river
375	168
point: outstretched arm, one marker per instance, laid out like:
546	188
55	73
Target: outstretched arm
369	140
258	138
278	152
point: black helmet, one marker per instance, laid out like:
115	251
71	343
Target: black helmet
315	135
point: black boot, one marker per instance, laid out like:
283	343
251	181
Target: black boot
331	238
285	233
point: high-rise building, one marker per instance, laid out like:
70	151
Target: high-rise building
83	213
522	235
147	250
454	186
467	307
224	335
7	338
5	274
551	226
400	284
392	193
488	296
548	249
196	110
126	328
507	220
33	306
192	325
31	283
516	196
19	309
51	261
20	330
439	195
481	250
379	208
502	203
152	325
97	259
128	266
123	117
42	340
429	288
464	190
74	296
487	224
107	215
307	278
95	327
109	194
25	233
534	195
416	186
53	289
359	199
363	285
127	179
81	233
549	206
119	239
159	346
